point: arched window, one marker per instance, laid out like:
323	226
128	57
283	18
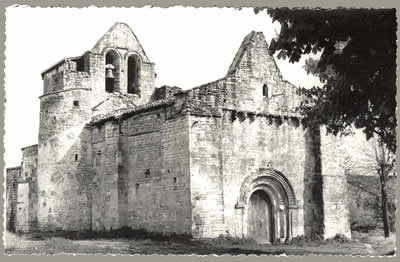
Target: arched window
133	75
265	90
112	66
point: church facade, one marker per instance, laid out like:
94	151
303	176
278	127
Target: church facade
228	157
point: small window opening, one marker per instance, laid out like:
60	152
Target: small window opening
133	75
137	186
265	90
147	173
76	103
76	157
174	180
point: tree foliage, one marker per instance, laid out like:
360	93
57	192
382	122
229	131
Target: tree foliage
357	66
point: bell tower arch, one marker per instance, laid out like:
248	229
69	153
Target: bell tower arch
112	70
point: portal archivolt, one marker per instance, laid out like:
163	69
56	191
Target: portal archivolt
268	204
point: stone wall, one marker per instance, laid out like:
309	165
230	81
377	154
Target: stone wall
12	176
64	160
335	192
225	152
22	193
29	179
105	180
142	161
22	221
237	130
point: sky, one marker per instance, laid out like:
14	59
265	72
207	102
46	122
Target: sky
189	46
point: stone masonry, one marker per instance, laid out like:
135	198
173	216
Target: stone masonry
228	157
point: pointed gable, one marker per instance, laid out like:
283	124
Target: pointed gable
239	55
251	41
120	35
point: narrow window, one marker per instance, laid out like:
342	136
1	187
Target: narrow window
76	157
76	103
147	173
265	90
133	75
174	180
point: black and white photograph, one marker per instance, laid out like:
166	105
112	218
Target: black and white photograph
200	131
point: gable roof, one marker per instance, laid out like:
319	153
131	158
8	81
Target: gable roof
120	35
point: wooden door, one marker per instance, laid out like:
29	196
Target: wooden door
260	218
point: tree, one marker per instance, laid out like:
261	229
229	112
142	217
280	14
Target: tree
357	67
385	164
371	158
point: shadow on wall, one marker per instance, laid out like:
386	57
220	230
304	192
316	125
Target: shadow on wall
312	195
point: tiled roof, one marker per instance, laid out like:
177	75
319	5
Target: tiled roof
26	147
13	168
126	111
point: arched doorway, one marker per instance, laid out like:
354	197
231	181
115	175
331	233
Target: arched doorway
260	219
268	206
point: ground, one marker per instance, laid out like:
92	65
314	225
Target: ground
365	244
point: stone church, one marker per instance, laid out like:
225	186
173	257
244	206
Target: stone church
228	157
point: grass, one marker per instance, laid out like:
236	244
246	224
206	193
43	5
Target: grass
124	232
128	241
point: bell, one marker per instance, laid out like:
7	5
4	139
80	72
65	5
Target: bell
109	73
